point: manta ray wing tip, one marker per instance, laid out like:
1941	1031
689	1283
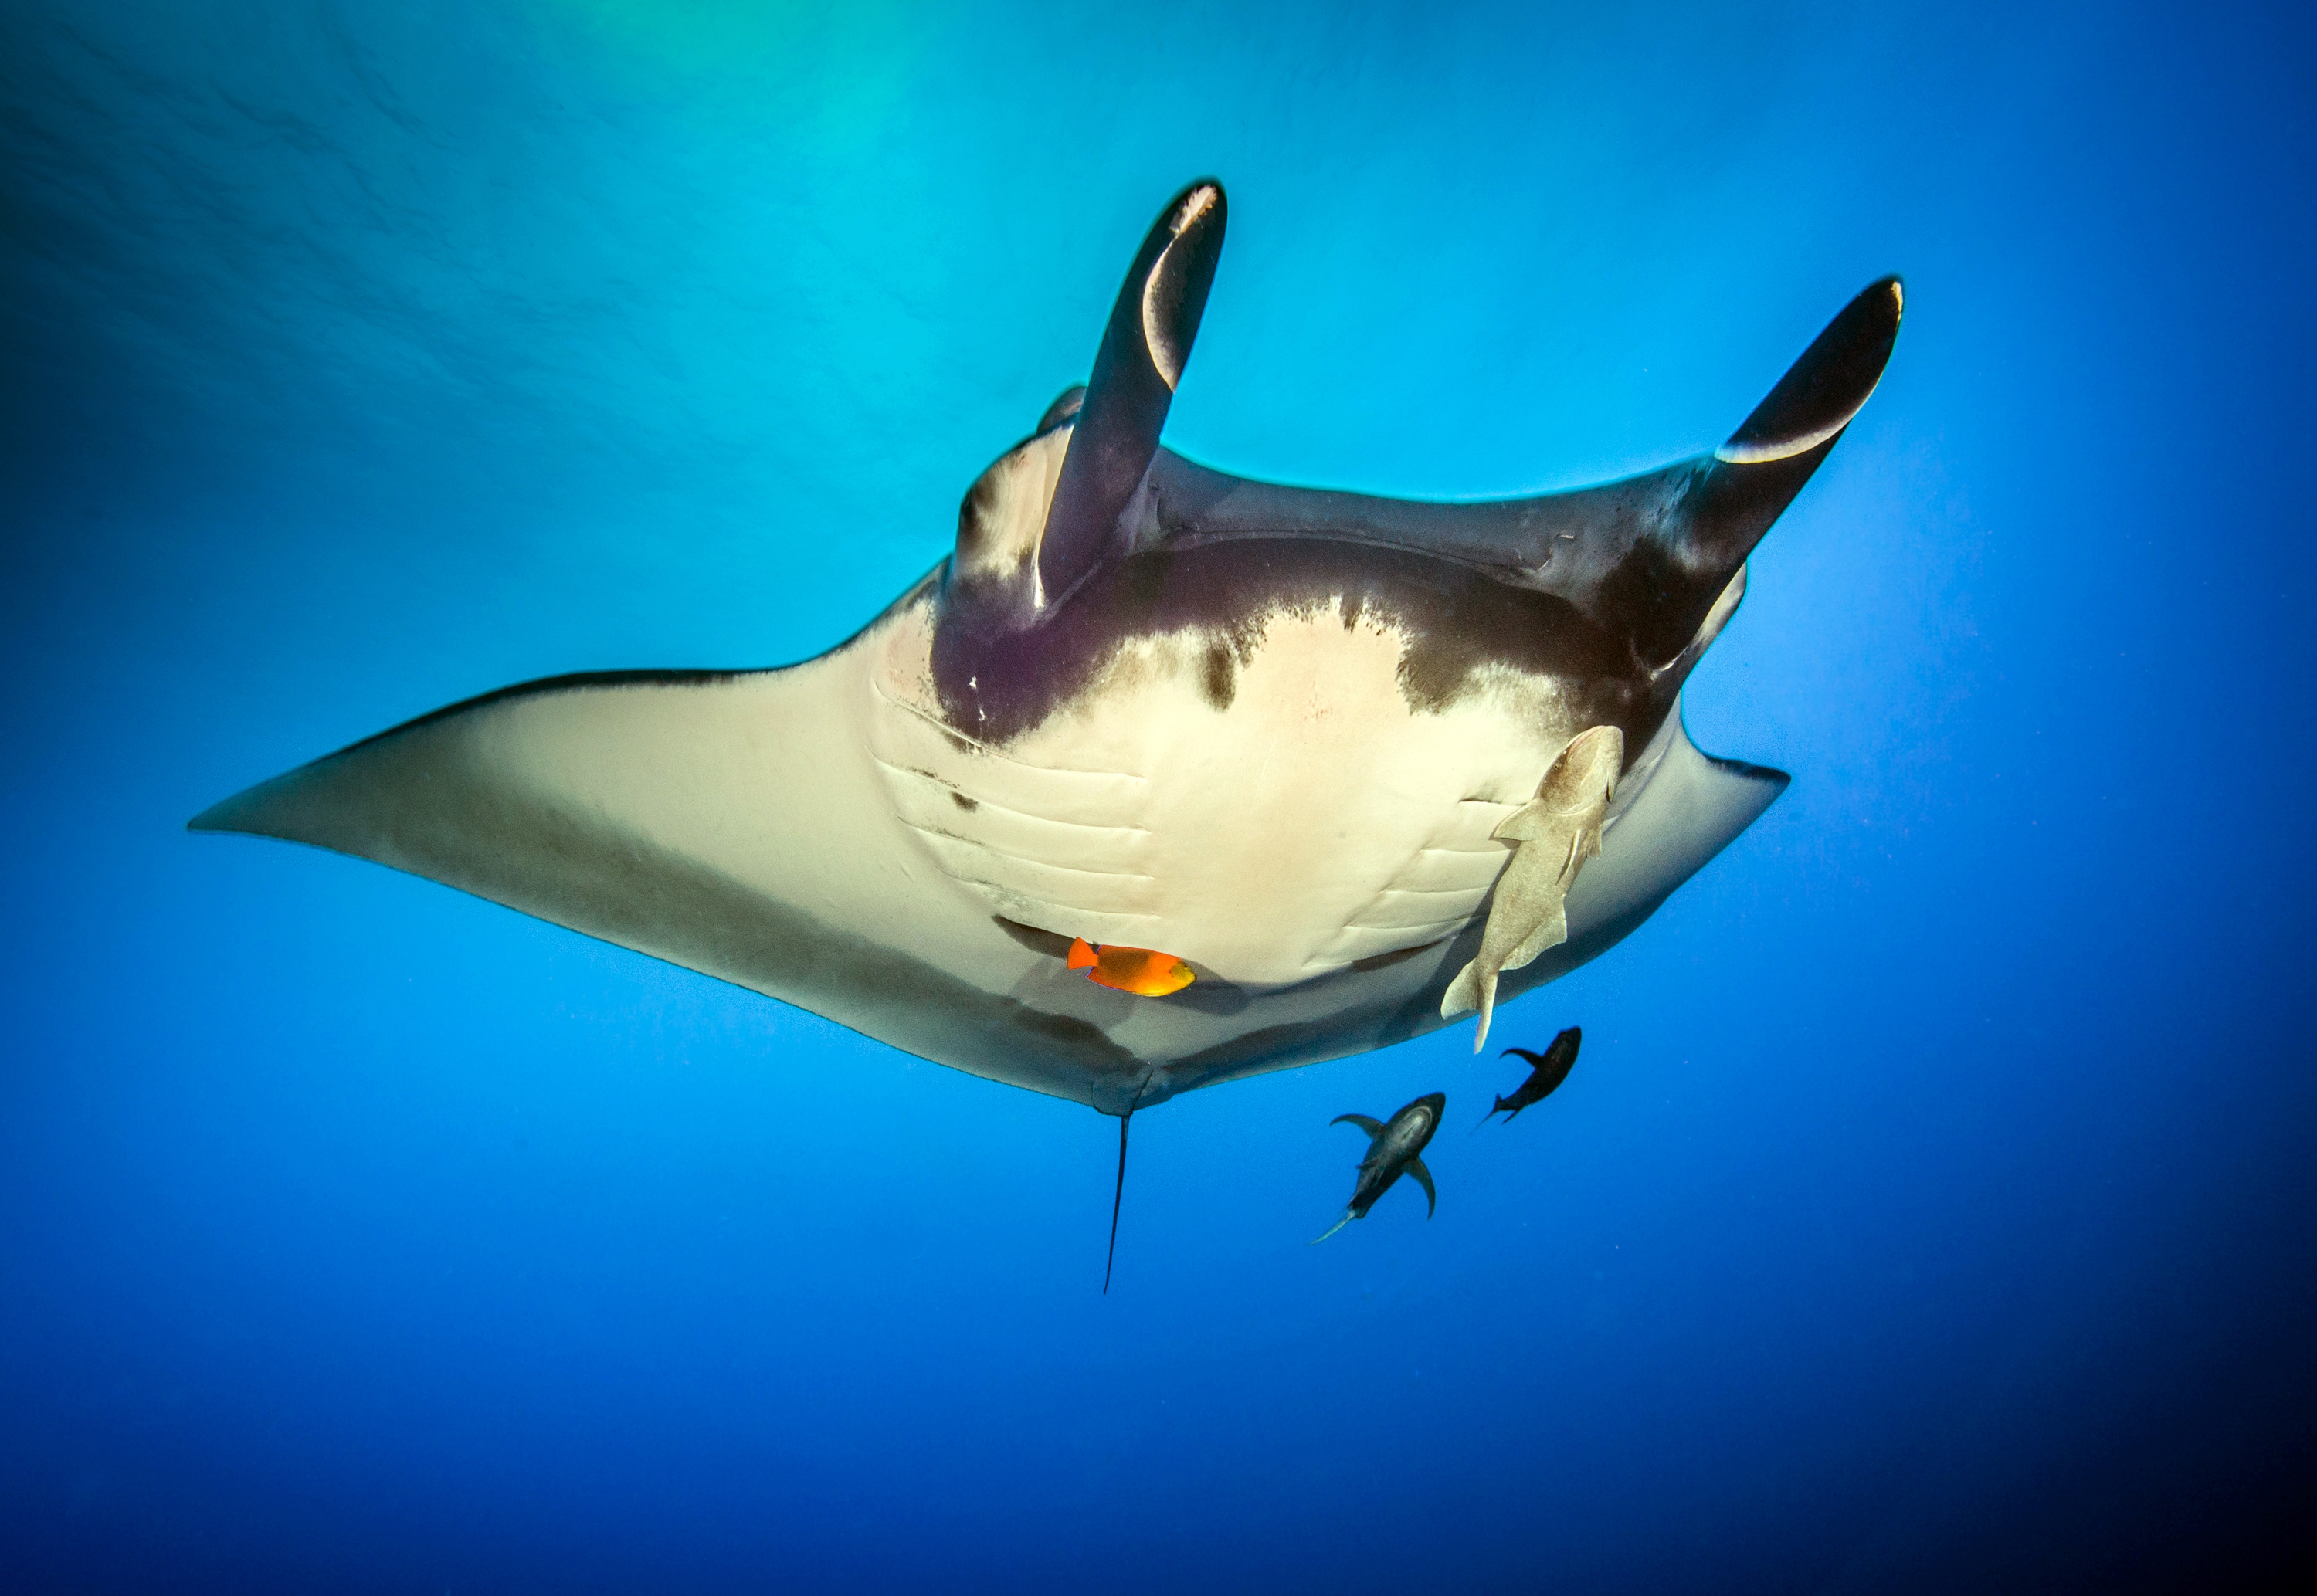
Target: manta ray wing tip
227	815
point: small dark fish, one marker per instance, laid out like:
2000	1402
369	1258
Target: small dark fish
1392	1149
1551	1068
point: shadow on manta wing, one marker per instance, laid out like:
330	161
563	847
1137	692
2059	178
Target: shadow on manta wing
1283	734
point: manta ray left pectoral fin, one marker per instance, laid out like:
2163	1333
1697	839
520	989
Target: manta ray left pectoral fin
1423	1177
628	806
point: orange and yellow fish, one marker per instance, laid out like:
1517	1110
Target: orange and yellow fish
1139	970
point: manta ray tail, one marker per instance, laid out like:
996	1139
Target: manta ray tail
1116	1198
1331	1229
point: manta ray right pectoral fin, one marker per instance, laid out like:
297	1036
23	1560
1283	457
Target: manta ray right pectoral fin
1423	1177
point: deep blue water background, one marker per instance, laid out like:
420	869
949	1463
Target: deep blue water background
1932	1207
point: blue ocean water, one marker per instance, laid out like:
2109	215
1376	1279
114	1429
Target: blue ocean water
1932	1205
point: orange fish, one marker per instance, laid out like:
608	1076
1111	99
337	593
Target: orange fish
1138	970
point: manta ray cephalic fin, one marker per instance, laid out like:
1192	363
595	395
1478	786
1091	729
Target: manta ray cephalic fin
1143	351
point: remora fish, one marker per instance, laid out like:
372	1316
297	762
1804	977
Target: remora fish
1392	1149
1552	836
1273	730
1550	1069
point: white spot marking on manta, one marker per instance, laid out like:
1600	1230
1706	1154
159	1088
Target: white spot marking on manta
1195	204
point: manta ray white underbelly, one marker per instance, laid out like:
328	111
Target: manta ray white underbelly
1310	819
1273	731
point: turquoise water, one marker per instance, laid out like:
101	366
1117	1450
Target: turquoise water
1931	1208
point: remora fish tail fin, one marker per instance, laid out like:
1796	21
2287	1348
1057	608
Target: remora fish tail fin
1424	1178
1143	351
703	817
1117	1197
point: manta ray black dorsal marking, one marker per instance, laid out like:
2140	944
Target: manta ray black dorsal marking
1275	731
1118	1193
1549	1069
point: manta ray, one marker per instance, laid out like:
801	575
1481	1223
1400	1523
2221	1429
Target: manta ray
1292	738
